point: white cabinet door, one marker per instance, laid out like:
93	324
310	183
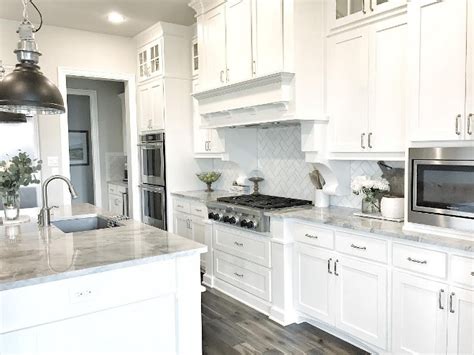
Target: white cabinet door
239	40
116	204
198	234
439	47
268	36
143	71
182	225
216	141
314	291
361	299
470	74
157	104
343	12
145	117
387	98
418	315
214	47
347	90
460	321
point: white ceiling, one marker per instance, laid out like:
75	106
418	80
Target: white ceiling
91	15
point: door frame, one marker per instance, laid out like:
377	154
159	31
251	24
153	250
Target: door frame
94	111
131	123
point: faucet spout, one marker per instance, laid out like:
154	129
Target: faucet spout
44	217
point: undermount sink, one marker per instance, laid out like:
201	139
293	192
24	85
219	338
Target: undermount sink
84	224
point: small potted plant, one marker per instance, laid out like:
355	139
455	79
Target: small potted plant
209	178
372	190
19	171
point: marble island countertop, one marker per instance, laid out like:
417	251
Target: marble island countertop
343	217
30	254
203	196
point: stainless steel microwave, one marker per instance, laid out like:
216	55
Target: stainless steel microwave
441	184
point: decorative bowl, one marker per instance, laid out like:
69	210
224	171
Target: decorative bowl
209	178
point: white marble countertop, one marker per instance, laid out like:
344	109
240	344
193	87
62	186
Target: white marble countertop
343	217
203	196
30	254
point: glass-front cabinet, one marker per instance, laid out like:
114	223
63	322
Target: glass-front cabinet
345	12
150	60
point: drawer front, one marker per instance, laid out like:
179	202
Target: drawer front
84	294
462	270
117	189
198	209
362	247
420	260
181	205
320	237
243	245
247	276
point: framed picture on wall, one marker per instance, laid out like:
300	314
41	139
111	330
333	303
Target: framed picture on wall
79	147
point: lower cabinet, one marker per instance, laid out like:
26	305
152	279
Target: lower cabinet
344	292
431	317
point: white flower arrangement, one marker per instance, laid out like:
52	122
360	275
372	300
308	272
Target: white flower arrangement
369	186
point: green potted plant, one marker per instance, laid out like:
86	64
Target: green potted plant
19	171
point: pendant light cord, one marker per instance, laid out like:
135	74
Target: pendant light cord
40	15
25	13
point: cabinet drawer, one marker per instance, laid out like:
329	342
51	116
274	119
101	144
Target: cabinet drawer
117	189
84	294
363	247
181	206
243	245
462	270
198	209
420	260
320	237
247	276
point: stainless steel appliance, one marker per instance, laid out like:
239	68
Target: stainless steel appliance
154	205
152	156
248	211
441	189
153	172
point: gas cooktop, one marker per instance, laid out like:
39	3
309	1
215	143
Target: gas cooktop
263	201
248	211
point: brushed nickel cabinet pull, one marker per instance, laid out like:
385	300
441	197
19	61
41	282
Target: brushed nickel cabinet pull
362	135
369	140
239	244
363	7
358	247
254	67
469	124
451	306
371	6
222	76
417	261
440	295
335	267
458	131
227	79
238	275
311	236
329	266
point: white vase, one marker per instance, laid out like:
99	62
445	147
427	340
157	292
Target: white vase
321	199
392	207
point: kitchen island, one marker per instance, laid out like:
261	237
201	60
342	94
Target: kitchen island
130	289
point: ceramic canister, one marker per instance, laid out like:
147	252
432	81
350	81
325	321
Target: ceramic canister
392	207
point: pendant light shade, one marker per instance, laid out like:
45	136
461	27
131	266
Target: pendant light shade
26	90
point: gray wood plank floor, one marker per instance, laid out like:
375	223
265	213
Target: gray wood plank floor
230	327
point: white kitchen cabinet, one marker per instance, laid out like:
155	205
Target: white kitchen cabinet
347	90
150	60
267	37
151	105
460	321
195	57
198	234
361	300
419	317
343	13
238	40
182	225
438	40
314	291
366	93
118	199
469	129
214	38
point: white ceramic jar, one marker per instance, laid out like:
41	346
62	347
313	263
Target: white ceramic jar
392	207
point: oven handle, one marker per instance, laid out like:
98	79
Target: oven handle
152	188
150	145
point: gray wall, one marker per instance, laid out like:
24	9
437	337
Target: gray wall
110	120
79	119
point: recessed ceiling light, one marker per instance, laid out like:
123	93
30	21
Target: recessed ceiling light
115	17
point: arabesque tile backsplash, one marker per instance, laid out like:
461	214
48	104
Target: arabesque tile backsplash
285	170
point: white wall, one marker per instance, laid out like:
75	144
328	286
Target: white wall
73	49
109	109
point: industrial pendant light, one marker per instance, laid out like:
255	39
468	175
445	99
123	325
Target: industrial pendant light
26	90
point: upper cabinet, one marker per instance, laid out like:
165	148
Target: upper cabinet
240	39
149	60
195	57
345	13
366	88
441	108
